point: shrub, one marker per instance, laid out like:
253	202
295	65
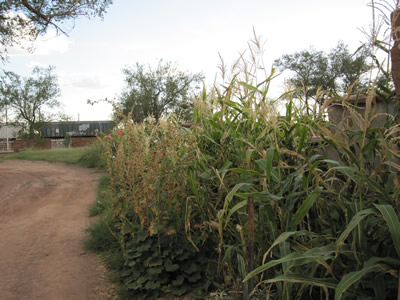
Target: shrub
93	156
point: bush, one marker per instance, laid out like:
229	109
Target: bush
93	156
103	201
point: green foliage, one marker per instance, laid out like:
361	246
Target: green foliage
92	156
99	235
334	72
67	141
69	156
30	97
103	201
39	16
146	165
325	195
158	92
162	264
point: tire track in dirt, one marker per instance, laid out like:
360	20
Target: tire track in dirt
43	215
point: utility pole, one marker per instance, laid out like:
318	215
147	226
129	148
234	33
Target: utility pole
8	147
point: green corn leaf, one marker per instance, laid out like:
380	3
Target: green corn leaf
258	197
235	209
250	87
249	152
338	143
355	221
284	236
230	195
310	173
228	251
190	175
302	131
372	265
262	163
392	220
241	265
357	176
332	162
270	156
382	45
196	115
296	259
305	207
370	145
261	197
289	108
245	171
304	279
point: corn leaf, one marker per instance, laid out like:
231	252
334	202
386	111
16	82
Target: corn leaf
284	236
392	220
355	221
235	209
234	190
296	259
270	155
374	264
304	279
305	207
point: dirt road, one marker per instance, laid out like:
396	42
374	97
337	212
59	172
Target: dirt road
43	215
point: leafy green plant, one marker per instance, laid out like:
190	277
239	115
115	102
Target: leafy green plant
162	264
93	156
67	141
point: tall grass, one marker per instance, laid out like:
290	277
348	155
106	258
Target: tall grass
326	225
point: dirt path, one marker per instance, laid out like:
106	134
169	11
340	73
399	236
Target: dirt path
43	215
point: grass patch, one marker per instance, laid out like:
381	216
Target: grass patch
89	156
69	156
103	199
99	237
101	240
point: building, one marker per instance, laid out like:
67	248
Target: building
75	129
80	133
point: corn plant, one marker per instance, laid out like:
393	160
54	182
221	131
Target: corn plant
311	204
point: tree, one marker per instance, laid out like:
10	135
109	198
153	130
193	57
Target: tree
26	19
158	92
29	98
335	72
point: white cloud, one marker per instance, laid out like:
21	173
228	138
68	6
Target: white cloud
88	82
33	64
82	80
50	43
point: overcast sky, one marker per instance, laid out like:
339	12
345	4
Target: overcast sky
189	32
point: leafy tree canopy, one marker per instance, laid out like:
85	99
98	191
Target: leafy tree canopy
335	71
158	92
29	98
26	19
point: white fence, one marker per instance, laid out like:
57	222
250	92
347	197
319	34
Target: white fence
57	144
3	147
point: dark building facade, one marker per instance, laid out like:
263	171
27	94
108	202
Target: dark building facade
76	128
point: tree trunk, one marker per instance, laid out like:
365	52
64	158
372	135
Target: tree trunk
31	131
395	51
156	113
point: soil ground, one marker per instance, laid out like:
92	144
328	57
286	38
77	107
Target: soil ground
43	216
